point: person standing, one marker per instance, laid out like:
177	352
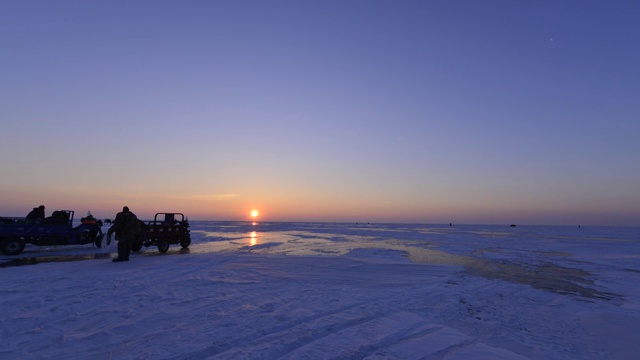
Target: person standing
127	228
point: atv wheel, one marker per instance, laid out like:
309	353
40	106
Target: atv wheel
163	246
185	242
136	246
12	246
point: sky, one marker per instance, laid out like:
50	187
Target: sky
370	111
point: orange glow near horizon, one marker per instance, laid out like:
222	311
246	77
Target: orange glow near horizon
254	213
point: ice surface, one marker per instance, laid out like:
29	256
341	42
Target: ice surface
325	291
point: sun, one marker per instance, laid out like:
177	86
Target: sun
254	213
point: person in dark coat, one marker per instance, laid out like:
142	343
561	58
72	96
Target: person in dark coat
36	215
127	229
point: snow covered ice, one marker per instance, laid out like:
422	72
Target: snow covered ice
332	291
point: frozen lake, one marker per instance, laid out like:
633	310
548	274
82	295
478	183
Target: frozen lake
333	290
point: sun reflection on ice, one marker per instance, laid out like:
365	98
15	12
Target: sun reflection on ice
254	238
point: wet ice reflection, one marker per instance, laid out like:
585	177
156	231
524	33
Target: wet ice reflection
473	249
298	243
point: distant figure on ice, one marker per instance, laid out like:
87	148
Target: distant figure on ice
36	215
450	224
127	228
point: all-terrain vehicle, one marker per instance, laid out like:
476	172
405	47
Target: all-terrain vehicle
57	229
165	229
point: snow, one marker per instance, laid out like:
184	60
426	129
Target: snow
332	291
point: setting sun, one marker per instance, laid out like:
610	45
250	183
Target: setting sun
254	213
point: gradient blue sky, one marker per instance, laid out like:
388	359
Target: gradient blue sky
397	111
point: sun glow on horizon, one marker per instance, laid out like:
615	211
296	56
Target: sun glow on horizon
254	213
